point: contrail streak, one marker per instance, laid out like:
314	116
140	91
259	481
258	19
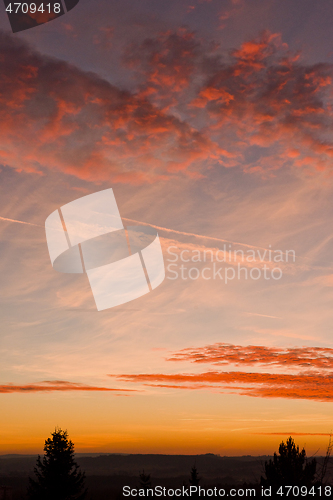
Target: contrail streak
183	233
221	240
262	315
174	231
20	222
166	229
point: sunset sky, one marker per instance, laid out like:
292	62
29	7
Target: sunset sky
212	121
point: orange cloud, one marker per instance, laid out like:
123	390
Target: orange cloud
56	385
311	387
222	354
292	433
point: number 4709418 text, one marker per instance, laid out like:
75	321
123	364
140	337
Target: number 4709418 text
32	8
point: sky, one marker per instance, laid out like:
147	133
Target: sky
211	121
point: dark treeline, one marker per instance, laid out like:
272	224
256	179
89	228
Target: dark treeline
58	476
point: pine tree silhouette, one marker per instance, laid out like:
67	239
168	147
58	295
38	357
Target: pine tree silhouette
194	479
58	477
326	462
289	468
145	482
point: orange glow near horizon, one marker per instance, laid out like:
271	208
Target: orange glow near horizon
172	424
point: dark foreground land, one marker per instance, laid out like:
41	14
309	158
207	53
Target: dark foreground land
107	474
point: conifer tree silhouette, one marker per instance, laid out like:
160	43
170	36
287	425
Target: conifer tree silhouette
58	477
326	461
145	482
289	468
194	478
194	481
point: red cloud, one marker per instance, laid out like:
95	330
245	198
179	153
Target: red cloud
312	387
166	64
54	115
262	96
220	354
56	385
192	109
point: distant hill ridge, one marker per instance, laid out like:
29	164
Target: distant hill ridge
96	464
